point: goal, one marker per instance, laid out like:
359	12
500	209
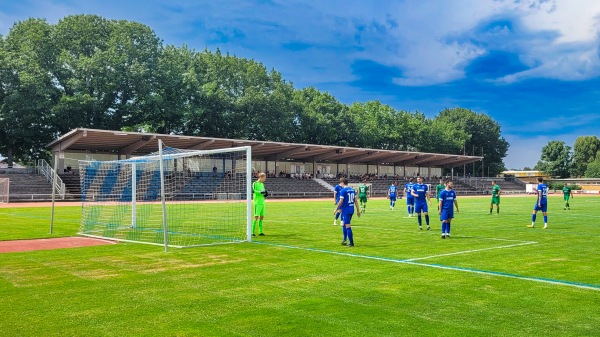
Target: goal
174	198
4	190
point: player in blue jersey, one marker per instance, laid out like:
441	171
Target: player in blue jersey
336	197
446	203
420	192
392	191
348	201
410	200
541	203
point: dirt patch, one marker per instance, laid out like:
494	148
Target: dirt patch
49	244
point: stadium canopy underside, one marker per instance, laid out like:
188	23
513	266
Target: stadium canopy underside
130	144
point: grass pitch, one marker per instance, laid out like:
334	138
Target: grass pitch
493	277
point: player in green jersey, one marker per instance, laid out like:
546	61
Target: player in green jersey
438	189
567	193
495	198
363	189
259	191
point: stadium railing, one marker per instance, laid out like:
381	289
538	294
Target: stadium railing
47	171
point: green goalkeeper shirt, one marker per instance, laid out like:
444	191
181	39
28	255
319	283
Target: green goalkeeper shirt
257	188
566	191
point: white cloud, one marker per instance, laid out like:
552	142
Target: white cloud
558	38
575	20
418	37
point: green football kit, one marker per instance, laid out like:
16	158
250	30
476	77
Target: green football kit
362	196
258	189
438	189
566	195
496	195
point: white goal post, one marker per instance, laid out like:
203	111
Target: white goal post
174	198
4	190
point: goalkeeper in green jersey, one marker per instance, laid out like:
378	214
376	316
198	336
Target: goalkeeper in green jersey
438	189
259	192
567	193
363	189
495	198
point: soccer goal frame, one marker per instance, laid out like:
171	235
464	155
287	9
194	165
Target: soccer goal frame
4	190
173	198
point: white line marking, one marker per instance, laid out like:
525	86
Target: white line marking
474	271
519	277
470	251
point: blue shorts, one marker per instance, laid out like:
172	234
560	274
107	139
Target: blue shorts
392	197
543	208
421	207
447	215
410	201
347	218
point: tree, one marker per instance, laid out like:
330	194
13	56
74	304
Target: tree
106	72
27	93
585	151
319	118
485	140
593	169
556	159
175	93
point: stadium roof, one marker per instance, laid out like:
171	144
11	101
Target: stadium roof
136	144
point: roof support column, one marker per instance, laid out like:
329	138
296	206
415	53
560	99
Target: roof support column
59	161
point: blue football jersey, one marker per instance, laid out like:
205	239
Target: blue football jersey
543	189
337	189
447	198
392	189
407	188
348	194
421	191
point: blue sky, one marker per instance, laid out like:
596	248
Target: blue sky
532	65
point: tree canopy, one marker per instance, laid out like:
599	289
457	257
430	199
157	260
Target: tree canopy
556	159
92	72
585	151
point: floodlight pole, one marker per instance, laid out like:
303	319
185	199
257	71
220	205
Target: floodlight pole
162	195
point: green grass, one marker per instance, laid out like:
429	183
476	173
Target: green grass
494	277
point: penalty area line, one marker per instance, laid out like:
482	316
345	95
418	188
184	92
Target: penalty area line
439	266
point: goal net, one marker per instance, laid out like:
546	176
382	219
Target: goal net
4	190
175	198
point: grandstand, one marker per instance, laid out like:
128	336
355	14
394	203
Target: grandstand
484	185
26	185
289	165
